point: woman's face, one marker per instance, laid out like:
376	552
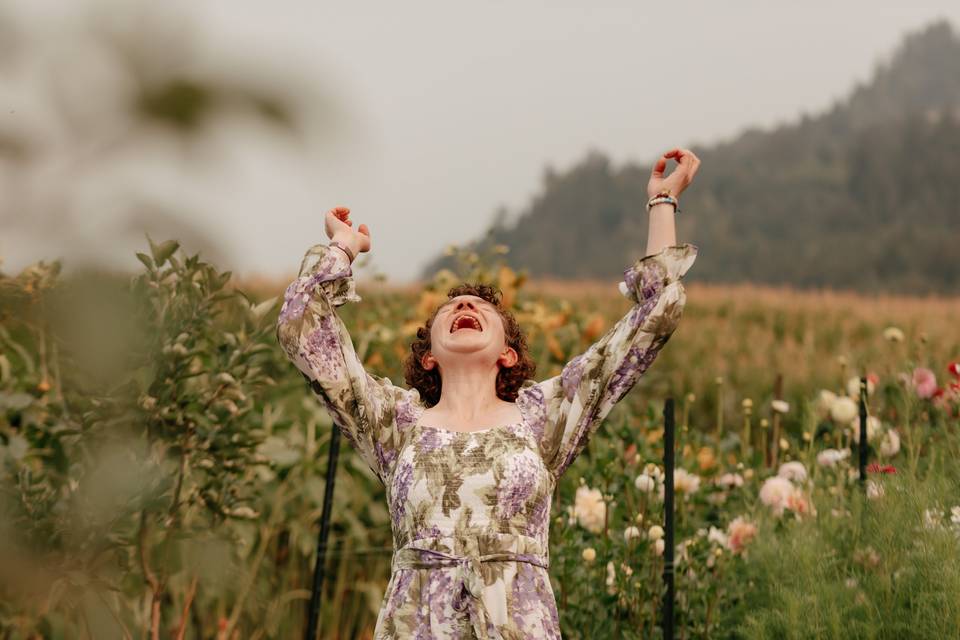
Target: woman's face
485	344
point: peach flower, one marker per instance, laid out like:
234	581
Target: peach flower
775	492
589	508
739	533
793	470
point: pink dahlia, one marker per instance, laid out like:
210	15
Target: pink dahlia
924	382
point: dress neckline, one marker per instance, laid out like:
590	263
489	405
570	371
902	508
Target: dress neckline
422	407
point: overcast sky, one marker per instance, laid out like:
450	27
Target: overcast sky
451	109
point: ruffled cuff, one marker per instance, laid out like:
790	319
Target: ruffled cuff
324	272
648	275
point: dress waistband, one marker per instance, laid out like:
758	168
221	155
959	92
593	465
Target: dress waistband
466	552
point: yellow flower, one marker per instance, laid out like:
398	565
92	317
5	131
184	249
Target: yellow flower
853	387
780	406
890	444
844	409
589	554
893	334
645	483
590	509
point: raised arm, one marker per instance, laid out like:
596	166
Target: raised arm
576	401
315	339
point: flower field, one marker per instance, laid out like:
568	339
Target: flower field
162	465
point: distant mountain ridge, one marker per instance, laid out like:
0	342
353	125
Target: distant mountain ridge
864	196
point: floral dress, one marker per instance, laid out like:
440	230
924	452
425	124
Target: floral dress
471	510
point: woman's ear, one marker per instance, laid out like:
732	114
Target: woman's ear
509	357
427	361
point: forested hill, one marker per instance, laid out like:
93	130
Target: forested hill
865	196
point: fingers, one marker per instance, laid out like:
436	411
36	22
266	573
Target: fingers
659	167
342	214
687	162
364	232
694	163
686	158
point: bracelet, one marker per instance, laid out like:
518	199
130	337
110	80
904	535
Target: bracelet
663	196
344	248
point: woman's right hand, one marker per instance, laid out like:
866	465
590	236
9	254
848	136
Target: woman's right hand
676	182
339	227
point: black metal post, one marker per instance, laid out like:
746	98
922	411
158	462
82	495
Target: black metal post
318	570
668	464
863	432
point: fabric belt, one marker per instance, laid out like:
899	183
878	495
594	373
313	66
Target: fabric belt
466	552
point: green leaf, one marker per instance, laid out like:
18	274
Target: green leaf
164	250
222	295
146	260
219	280
260	310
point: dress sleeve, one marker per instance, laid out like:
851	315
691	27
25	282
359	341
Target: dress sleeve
575	402
315	339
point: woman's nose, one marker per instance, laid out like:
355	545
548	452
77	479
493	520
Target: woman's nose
465	303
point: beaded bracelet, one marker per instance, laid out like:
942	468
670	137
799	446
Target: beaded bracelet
664	196
344	248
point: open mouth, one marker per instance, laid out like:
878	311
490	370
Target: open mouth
466	321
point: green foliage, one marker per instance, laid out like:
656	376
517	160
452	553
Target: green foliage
112	471
159	455
889	569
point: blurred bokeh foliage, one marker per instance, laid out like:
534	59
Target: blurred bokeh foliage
162	464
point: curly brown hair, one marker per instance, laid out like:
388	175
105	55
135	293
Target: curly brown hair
509	379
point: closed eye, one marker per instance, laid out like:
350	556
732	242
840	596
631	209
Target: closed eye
480	303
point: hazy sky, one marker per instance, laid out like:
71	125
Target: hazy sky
451	109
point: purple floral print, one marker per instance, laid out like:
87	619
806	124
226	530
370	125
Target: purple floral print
479	501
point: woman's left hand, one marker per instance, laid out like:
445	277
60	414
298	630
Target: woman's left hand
681	177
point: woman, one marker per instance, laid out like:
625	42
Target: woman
471	454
